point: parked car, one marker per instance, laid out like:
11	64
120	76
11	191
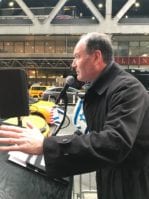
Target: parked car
41	108
42	115
51	94
37	90
49	111
142	75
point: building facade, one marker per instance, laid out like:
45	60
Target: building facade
39	36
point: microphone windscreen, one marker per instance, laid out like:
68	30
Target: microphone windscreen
14	93
70	80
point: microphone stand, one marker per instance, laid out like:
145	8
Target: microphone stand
65	98
19	121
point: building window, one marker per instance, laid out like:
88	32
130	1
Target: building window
115	48
1	47
8	47
134	48
144	48
50	47
123	49
60	47
19	47
29	47
39	46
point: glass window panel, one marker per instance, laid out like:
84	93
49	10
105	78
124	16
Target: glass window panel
60	47
39	47
19	43
134	51
47	43
19	47
1	47
115	48
134	43
144	48
50	47
8	47
70	45
39	43
29	43
29	47
123	48
144	43
8	43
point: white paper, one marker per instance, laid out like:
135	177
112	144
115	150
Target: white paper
18	157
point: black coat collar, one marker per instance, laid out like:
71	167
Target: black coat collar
105	78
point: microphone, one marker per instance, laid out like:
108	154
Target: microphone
69	82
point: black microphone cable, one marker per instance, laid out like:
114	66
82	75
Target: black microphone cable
63	95
69	82
64	116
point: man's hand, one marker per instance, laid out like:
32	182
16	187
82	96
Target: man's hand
27	140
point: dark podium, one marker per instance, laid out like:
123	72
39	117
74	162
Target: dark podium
17	182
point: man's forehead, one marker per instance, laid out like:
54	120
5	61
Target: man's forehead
80	46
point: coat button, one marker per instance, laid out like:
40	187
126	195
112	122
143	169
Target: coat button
64	139
65	154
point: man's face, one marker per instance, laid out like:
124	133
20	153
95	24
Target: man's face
84	64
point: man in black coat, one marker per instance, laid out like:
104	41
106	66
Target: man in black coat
116	141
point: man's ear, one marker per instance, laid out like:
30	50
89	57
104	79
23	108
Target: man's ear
98	56
99	62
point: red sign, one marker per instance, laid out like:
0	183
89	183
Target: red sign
132	60
144	60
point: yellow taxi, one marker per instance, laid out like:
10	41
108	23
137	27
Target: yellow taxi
36	91
41	108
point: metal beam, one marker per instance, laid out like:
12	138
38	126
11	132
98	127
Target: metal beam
106	27
108	9
123	10
94	10
55	11
27	11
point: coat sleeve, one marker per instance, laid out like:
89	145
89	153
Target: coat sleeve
75	154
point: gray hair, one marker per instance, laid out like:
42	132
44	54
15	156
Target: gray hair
98	41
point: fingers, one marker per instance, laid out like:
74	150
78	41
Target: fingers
11	141
27	140
11	128
30	125
10	148
9	134
10	131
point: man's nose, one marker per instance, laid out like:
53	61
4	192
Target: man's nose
73	64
